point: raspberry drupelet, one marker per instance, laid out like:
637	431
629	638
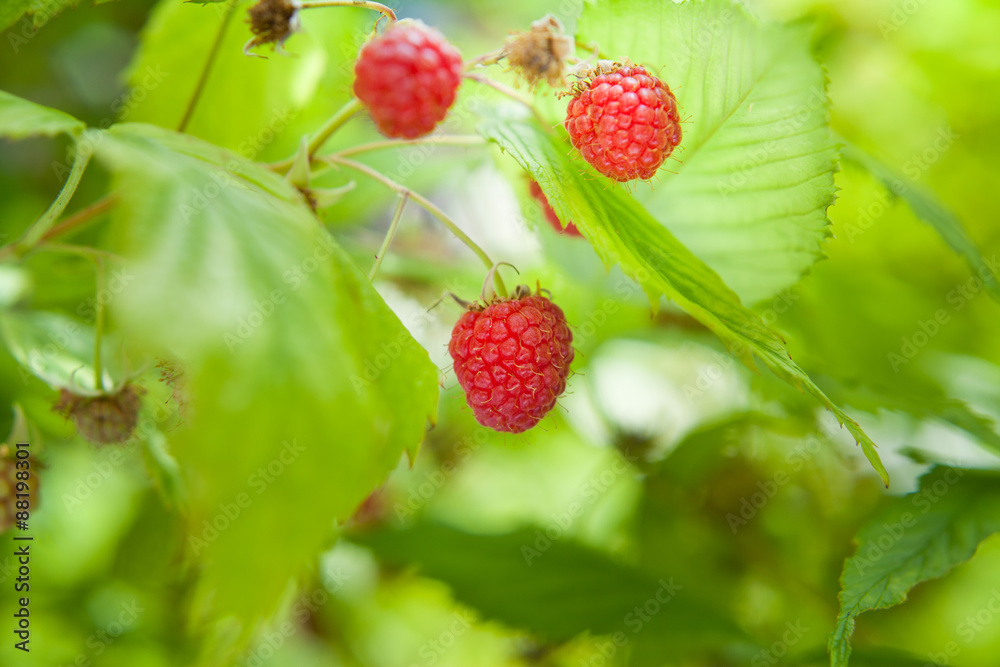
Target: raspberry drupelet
624	122
512	359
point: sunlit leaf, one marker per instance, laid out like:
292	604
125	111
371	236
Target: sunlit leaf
20	118
622	232
755	169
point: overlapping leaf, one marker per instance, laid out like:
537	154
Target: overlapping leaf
756	164
621	231
304	388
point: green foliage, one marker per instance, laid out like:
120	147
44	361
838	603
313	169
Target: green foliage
20	118
577	589
918	537
754	175
676	509
622	232
278	333
929	209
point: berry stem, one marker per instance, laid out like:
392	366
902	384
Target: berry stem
41	227
378	7
389	235
442	140
509	92
68	224
486	59
336	121
207	69
98	325
430	207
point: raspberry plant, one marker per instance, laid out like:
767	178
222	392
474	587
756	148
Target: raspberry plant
238	290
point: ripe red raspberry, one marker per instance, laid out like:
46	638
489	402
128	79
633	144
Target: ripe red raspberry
512	358
407	77
624	121
550	215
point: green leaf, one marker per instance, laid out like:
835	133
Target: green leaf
554	588
917	537
756	164
928	208
621	231
254	106
15	283
20	119
38	13
304	388
55	348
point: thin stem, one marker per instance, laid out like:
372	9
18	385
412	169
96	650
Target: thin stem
99	325
389	235
85	251
338	119
84	215
486	59
430	207
378	7
509	92
443	140
207	69
38	230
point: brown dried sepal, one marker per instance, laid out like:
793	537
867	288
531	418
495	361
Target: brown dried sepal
272	21
104	419
540	54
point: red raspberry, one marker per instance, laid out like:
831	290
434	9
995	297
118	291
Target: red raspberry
550	215
512	358
624	122
407	77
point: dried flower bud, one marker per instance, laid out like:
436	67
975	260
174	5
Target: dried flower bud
541	53
103	419
272	21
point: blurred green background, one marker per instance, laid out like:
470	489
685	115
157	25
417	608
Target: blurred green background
662	437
